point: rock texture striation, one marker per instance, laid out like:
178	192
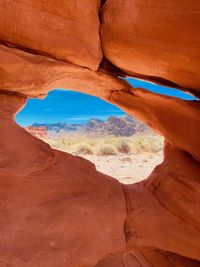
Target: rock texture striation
155	40
55	208
65	30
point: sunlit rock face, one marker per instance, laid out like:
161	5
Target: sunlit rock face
173	118
55	208
156	39
35	75
65	30
39	132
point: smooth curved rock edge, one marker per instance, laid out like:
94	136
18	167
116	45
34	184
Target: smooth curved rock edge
156	40
56	209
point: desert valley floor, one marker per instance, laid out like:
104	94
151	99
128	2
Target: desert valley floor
127	169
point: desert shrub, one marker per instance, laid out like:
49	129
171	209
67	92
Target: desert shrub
106	150
107	145
147	143
83	149
67	141
123	147
78	138
55	143
111	140
157	143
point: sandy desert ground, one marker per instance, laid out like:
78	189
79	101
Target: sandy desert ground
129	160
127	168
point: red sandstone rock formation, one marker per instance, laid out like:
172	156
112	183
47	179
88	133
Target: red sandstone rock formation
39	132
65	30
158	40
35	75
55	208
165	115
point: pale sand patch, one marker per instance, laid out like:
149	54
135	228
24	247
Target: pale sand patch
127	169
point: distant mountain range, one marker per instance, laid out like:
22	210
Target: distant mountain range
117	126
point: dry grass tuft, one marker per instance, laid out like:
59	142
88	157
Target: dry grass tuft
106	150
147	143
123	147
107	145
83	149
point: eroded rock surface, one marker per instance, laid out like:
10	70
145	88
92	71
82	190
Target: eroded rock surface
56	209
39	132
35	75
66	30
162	203
173	118
147	258
157	40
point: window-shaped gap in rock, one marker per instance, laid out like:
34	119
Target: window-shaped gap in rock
87	126
162	90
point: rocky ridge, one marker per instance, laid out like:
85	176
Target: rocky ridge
116	126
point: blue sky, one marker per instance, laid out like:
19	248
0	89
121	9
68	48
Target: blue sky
162	90
66	106
73	107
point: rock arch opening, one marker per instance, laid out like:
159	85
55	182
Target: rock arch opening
119	145
55	208
161	89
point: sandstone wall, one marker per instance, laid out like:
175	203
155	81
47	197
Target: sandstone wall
55	208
